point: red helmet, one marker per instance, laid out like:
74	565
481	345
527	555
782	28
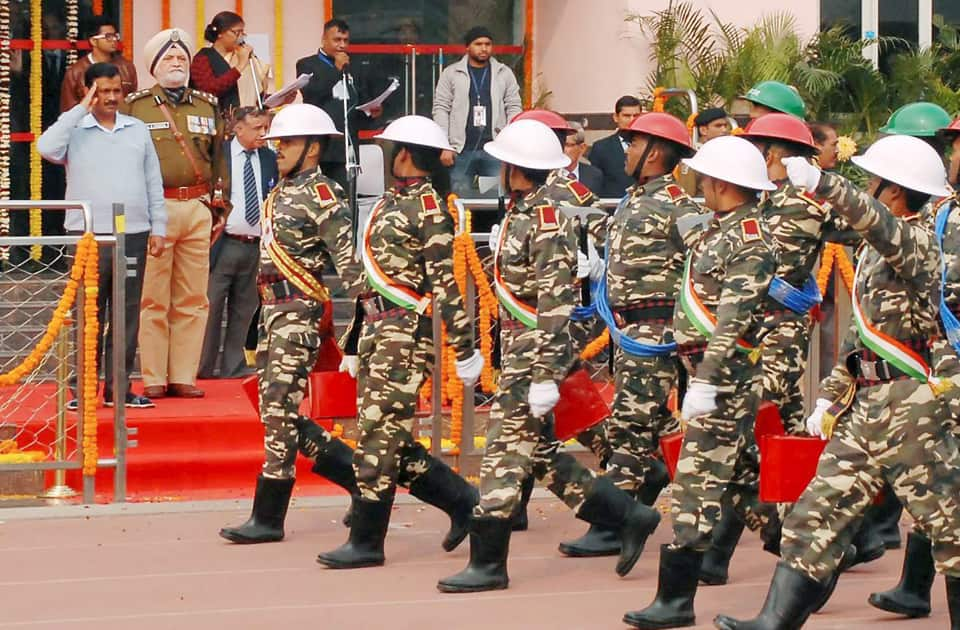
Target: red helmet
665	126
951	129
551	119
779	126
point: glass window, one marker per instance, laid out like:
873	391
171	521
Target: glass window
841	12
949	12
898	18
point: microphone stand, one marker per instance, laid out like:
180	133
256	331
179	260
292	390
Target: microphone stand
350	159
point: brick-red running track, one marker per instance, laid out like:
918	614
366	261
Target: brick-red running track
148	567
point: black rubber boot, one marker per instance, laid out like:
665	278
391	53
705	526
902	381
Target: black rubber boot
869	543
787	606
333	459
487	570
520	520
676	588
364	547
831	584
444	489
656	479
953	601
716	561
613	508
911	597
269	511
886	518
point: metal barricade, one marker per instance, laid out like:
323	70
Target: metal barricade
33	413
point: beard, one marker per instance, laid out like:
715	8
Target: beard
172	79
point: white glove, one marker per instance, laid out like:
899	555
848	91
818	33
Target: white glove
542	398
815	421
700	400
350	363
802	173
583	265
469	370
494	237
597	266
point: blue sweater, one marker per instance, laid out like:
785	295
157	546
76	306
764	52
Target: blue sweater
106	167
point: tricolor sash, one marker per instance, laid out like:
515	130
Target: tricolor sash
703	320
523	313
398	294
288	267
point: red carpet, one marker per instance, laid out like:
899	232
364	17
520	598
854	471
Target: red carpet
207	448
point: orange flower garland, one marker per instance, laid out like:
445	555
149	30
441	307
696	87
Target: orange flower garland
164	14
659	100
834	255
89	417
98	7
596	346
127	29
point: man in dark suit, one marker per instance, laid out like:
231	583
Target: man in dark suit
575	146
609	154
326	90
250	170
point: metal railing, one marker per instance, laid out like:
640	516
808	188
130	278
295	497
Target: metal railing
27	397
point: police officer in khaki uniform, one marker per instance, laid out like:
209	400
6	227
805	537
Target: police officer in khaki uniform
187	132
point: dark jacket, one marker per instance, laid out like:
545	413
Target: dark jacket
211	73
73	90
591	176
608	156
269	176
319	92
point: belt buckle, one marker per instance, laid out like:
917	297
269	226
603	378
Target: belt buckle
183	193
618	318
371	307
266	292
868	370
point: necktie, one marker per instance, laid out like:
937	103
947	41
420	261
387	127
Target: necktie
251	200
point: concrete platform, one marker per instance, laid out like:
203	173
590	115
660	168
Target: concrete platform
162	566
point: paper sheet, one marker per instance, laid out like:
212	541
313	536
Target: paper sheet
377	102
281	95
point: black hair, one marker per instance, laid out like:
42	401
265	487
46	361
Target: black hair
672	154
937	142
538	177
99	70
795	149
221	23
821	131
916	199
625	101
338	24
427	159
98	22
250	110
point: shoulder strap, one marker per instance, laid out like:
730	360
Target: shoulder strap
184	147
287	265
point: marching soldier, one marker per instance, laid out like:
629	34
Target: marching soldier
533	274
716	325
647	240
800	226
306	226
768	97
188	134
883	397
407	255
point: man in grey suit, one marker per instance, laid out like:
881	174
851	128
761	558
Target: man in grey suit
234	257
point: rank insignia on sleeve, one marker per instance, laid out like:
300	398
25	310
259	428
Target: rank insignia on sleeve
750	229
429	204
675	192
548	218
580	192
325	195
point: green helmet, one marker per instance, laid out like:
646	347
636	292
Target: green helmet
779	97
921	120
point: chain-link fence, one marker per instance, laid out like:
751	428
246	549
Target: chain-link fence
42	416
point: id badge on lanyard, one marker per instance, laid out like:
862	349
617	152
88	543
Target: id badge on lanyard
479	116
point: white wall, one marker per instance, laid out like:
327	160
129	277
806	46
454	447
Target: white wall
588	56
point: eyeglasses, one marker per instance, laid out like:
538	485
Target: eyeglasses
108	36
237	32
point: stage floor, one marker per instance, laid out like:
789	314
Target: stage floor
153	566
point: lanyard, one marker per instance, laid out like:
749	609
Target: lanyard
474	85
326	59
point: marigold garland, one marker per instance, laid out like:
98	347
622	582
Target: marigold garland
834	255
659	100
98	7
36	100
201	17
90	328
164	15
278	43
128	29
73	30
596	346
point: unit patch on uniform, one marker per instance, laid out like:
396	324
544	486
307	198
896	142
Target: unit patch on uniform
548	218
201	124
325	195
429	203
580	192
750	229
158	125
675	191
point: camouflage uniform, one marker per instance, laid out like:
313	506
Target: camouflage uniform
800	225
536	261
893	429
311	222
731	268
645	259
563	189
411	239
